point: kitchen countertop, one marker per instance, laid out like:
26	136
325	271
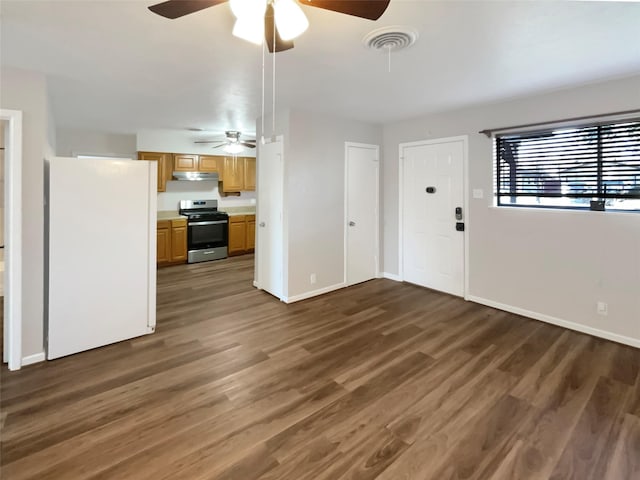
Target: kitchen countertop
169	215
232	211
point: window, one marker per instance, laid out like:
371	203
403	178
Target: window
590	167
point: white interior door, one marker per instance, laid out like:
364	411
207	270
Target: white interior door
361	189
270	242
432	188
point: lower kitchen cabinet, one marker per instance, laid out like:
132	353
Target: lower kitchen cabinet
178	241
242	234
171	242
251	232
237	235
163	246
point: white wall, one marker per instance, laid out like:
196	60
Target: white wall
554	264
27	91
181	141
314	183
72	142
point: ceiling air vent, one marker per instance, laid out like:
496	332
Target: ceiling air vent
390	39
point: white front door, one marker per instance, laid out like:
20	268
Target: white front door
270	242
361	255
432	180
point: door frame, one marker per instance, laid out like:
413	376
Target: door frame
347	145
13	239
465	189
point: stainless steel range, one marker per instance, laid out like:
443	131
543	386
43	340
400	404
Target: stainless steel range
207	230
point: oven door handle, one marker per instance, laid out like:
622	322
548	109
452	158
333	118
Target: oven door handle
219	222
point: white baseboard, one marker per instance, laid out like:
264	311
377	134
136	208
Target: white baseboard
255	284
392	276
35	358
313	293
596	332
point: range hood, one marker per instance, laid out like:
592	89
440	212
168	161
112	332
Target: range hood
196	176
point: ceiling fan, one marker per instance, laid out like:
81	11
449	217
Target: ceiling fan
278	21
231	142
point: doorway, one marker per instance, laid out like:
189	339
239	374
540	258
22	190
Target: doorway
361	212
433	206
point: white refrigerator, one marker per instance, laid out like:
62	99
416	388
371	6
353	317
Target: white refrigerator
100	235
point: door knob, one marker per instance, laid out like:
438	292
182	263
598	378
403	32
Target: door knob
262	224
352	224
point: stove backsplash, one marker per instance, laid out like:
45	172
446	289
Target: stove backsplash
204	190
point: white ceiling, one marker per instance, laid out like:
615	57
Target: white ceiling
114	66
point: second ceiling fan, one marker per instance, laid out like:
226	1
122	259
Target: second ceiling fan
278	21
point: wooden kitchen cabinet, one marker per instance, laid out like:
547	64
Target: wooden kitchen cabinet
233	174
163	245
237	235
165	165
208	163
185	163
179	241
238	174
171	242
249	174
250	243
242	234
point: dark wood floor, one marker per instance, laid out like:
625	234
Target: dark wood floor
382	381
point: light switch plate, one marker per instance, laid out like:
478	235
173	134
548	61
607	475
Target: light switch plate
478	193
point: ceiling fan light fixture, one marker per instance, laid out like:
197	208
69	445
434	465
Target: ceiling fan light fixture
250	29
233	148
290	19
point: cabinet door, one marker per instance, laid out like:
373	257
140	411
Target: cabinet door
251	232
163	160
163	246
233	174
249	173
185	163
208	163
178	240
237	235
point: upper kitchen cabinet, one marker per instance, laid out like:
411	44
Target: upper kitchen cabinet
165	164
238	174
195	163
185	163
249	174
233	174
209	163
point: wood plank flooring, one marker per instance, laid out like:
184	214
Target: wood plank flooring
382	380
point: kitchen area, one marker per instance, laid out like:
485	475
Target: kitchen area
206	206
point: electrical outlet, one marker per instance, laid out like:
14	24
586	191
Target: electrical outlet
602	308
312	278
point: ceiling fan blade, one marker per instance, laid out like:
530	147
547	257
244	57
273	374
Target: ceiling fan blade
370	9
248	145
220	145
179	8
269	27
209	141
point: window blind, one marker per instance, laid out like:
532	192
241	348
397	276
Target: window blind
581	167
